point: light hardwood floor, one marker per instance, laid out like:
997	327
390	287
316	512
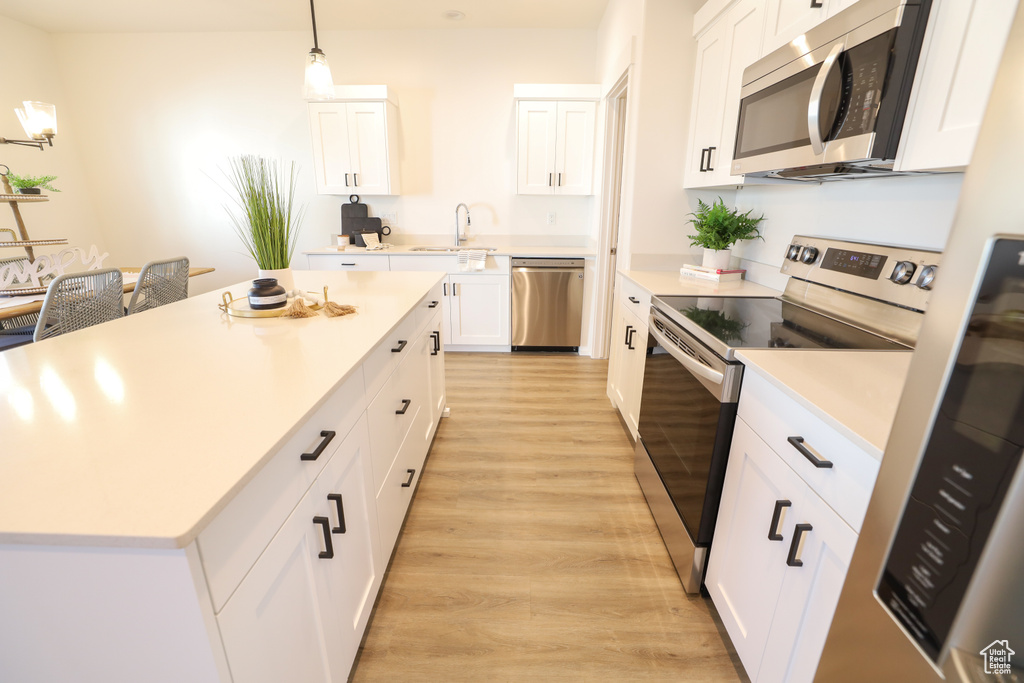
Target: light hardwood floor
529	552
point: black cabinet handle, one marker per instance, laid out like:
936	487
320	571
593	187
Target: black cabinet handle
773	530
401	345
446	289
435	336
405	406
815	4
710	150
327	436
626	340
630	331
326	523
346	180
355	179
794	547
549	179
559	179
432	304
702	153
408	482
634	300
798	443
336	497
348	264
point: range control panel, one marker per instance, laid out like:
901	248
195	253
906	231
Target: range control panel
899	275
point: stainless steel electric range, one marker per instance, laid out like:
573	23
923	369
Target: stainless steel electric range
840	295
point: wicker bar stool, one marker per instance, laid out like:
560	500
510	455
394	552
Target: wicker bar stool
80	300
18	330
159	283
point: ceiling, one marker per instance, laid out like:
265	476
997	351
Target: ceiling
145	16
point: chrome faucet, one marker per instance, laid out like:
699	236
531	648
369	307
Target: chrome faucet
458	234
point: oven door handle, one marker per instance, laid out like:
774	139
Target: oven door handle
814	106
688	362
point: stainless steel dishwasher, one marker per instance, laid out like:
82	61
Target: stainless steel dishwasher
547	304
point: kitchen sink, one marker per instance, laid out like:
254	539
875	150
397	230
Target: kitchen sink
451	248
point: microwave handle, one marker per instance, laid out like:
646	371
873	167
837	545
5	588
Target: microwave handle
814	106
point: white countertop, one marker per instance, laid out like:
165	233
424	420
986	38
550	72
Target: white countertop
138	431
855	392
671	283
407	250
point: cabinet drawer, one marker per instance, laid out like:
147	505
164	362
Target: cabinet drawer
404	391
430	304
343	261
235	538
394	496
845	486
427	262
383	360
635	298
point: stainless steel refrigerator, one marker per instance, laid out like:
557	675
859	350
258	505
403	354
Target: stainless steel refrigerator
935	590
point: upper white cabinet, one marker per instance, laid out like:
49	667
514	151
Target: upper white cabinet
959	60
728	46
786	19
355	139
555	139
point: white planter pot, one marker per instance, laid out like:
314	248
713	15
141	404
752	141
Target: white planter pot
717	258
283	277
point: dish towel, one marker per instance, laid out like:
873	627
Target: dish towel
472	259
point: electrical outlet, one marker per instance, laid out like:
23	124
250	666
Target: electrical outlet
391	218
552	218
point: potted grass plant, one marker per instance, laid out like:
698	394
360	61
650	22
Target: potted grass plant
717	228
265	217
32	184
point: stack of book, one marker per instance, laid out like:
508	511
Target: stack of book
712	274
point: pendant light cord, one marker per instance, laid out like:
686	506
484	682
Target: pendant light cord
312	13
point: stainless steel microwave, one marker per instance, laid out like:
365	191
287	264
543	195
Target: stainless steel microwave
831	103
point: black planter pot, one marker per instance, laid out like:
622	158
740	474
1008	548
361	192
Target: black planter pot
30	190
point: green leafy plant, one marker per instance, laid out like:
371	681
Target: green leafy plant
265	220
718	227
716	322
21	182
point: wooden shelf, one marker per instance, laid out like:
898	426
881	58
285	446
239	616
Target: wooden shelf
32	243
24	198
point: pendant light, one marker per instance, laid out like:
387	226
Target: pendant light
319	83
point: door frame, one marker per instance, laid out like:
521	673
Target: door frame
616	112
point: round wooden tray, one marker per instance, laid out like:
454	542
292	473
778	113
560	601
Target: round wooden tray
240	308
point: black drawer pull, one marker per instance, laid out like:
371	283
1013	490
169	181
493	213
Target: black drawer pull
634	299
408	482
773	530
326	523
794	547
816	4
405	406
432	304
336	497
401	345
327	437
348	264
798	443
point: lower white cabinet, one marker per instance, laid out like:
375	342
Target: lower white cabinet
480	309
300	611
628	351
781	551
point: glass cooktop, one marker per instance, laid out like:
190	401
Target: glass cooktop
728	323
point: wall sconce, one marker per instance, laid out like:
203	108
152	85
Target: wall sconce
39	120
319	83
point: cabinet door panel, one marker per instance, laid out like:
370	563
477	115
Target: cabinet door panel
536	154
634	377
954	80
708	103
617	367
271	626
809	596
746	23
574	154
437	383
480	309
745	568
786	19
368	147
329	130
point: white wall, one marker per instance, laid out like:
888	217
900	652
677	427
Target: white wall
30	72
905	211
161	113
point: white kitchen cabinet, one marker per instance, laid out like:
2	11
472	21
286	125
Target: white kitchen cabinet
724	50
344	261
628	352
355	147
555	147
787	19
782	545
436	384
300	611
959	59
480	309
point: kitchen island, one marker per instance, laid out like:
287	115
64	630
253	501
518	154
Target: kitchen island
175	485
